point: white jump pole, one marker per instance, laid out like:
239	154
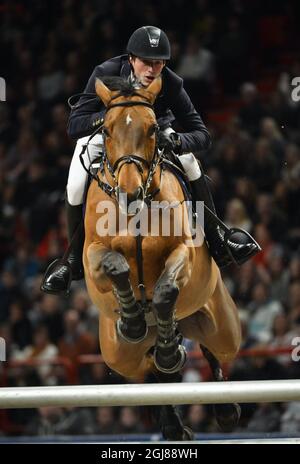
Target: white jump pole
151	394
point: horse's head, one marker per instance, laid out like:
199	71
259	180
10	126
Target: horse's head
130	137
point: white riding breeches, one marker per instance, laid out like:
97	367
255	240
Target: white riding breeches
78	177
190	166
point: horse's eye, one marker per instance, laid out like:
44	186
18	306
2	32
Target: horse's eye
152	130
106	132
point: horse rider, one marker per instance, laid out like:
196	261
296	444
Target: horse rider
148	51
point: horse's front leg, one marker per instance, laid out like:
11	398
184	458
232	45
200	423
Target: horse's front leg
169	354
108	264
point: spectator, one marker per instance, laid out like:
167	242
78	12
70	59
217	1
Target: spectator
263	311
87	312
266	418
236	215
198	419
75	421
264	238
270	130
42	350
275	275
46	422
48	312
197	68
252	110
129	421
290	420
76	340
21	328
105	422
9	292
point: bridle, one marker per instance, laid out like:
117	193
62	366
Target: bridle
138	161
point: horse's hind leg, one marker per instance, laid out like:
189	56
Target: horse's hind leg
168	416
169	354
227	415
110	266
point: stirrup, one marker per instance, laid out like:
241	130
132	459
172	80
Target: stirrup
228	238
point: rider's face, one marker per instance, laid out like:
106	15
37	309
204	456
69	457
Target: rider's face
146	70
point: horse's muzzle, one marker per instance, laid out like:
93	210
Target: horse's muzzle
131	203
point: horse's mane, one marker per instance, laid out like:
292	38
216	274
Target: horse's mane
125	86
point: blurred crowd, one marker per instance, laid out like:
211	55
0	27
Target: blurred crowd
222	50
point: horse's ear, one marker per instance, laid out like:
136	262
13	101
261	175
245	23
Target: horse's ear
154	88
102	91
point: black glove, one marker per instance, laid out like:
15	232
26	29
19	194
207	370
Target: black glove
170	142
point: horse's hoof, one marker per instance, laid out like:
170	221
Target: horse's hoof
227	416
173	434
188	434
170	424
173	368
128	339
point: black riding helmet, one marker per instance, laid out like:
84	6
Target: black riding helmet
149	42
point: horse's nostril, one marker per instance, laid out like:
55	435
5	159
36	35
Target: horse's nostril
138	194
131	203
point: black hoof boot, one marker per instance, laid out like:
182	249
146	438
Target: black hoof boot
227	416
57	279
169	363
132	333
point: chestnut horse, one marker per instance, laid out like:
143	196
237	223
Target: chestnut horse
151	291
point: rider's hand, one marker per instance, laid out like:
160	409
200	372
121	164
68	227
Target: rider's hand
170	142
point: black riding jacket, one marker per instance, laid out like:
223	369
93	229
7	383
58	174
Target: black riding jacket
171	103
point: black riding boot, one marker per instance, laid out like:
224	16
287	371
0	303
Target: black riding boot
239	248
60	273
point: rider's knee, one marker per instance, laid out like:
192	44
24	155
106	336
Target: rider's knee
74	194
